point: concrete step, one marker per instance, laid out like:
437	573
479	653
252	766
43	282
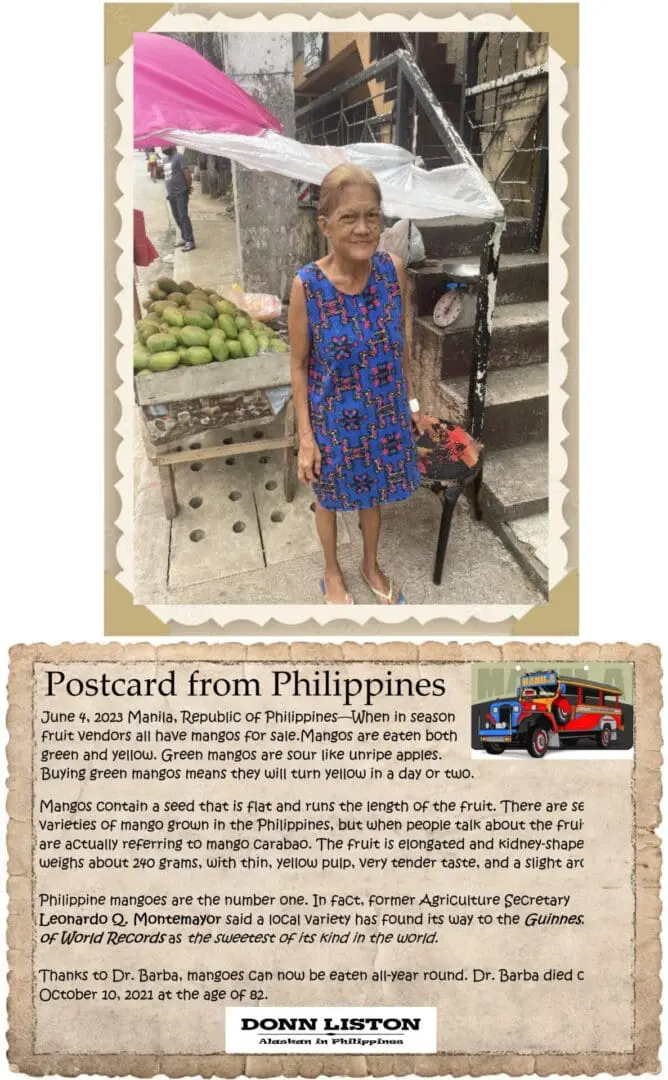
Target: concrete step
519	338
516	408
515	482
522	278
462	238
527	541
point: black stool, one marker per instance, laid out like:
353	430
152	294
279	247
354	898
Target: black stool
449	491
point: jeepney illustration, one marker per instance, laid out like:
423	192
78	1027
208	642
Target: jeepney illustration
550	711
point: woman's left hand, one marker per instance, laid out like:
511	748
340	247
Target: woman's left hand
419	422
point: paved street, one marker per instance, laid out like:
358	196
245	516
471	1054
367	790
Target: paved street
235	540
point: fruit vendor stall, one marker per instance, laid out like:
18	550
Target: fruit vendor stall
201	363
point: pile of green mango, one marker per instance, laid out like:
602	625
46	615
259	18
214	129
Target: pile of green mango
185	324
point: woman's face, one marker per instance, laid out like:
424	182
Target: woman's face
353	227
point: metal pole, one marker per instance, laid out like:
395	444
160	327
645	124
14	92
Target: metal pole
468	106
508	80
489	272
540	200
433	110
402	117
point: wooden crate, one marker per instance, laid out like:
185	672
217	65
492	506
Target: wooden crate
188	401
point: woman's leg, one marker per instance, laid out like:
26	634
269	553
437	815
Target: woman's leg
370	525
325	523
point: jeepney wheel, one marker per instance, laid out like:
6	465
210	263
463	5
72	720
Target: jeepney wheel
605	738
537	742
494	748
561	715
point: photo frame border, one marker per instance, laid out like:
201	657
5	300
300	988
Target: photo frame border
559	614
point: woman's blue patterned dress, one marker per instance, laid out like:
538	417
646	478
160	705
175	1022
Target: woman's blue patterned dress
357	391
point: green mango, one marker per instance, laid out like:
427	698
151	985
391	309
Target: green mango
262	343
177	298
194	335
141	356
243	322
186	287
201	305
197	354
218	345
144	371
146	327
195	318
248	343
155	292
183	354
164	361
228	325
225	307
172	316
167	285
158	343
234	348
277	345
158	306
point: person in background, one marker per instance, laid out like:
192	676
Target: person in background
178	188
153	162
351	378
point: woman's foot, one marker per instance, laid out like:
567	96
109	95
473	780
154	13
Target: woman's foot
333	588
381	586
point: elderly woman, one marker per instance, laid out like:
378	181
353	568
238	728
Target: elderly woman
351	377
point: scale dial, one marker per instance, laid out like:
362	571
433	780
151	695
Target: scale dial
448	308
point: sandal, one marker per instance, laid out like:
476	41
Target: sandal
383	598
323	590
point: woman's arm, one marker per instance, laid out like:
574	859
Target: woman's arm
308	461
408	374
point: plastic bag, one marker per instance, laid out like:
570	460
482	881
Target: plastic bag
405	241
261	306
396	239
416	252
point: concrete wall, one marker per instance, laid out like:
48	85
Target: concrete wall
265	204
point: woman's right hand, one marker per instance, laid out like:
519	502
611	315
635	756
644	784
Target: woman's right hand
308	459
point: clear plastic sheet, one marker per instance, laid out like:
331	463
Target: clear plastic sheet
408	190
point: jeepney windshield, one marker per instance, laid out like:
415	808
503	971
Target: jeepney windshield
530	692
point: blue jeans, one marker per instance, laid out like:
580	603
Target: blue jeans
179	205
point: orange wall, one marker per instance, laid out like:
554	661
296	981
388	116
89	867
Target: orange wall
338	42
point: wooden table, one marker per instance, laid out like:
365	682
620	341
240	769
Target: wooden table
189	401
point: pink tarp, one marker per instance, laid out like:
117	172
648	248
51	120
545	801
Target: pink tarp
176	88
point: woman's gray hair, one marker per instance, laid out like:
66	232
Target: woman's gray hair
339	178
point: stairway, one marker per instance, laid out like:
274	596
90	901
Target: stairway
444	79
515	479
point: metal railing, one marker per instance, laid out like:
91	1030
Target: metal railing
407	101
505	120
